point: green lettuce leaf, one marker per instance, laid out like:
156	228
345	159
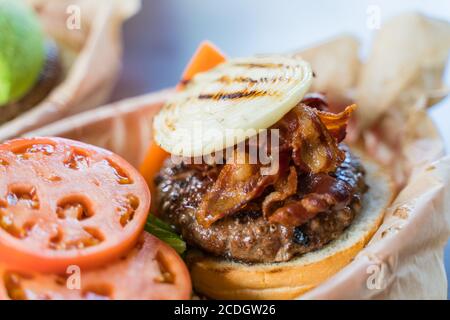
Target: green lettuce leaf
165	233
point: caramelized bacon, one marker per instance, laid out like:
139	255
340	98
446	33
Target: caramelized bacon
236	185
316	100
284	187
336	123
309	138
325	192
313	148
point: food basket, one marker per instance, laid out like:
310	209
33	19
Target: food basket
404	259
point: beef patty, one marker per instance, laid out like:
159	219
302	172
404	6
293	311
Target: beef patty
247	235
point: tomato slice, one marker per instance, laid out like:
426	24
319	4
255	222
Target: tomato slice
66	203
152	270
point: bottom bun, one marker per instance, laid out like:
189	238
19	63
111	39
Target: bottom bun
219	278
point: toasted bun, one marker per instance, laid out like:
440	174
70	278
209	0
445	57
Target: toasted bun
223	279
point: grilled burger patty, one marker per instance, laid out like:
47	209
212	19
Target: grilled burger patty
247	235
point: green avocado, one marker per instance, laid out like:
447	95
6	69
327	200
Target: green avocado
22	50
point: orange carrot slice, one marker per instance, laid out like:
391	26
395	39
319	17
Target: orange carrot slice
153	161
206	57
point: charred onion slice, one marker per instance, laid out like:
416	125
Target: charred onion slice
217	107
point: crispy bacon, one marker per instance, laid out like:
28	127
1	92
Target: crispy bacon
316	100
336	123
309	139
313	148
325	192
284	187
236	185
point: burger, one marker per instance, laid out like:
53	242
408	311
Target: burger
260	184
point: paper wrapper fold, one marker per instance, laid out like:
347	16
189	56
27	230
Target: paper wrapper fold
323	59
91	58
404	260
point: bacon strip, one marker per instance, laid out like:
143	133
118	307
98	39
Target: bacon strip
284	187
326	193
236	185
316	100
309	137
313	148
336	123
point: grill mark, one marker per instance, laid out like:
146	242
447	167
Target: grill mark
228	80
262	65
236	95
170	124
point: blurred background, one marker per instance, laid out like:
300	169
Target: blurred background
160	40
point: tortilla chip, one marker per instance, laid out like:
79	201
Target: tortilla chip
332	60
408	59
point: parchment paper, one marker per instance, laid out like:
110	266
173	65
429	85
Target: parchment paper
91	58
404	260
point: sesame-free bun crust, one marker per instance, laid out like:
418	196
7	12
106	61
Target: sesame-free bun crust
219	278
